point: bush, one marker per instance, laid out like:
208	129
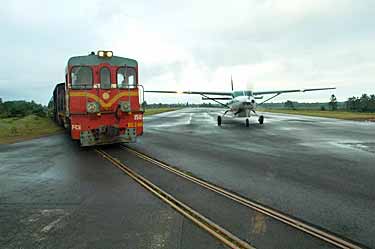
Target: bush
21	109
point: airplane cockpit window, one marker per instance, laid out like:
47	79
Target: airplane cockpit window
242	93
238	93
248	93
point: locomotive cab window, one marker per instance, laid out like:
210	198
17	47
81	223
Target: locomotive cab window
126	77
105	78
81	77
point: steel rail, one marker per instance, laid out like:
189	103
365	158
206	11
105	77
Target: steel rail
300	225
215	230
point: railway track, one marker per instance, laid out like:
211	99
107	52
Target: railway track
218	232
215	230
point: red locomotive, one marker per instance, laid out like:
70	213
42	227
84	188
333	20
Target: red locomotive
99	102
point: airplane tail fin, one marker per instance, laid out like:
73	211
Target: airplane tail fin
231	82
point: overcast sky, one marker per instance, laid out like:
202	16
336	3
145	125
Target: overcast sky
194	45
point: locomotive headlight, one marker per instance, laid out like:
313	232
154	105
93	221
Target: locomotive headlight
125	106
101	53
92	107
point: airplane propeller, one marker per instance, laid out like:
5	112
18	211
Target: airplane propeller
231	82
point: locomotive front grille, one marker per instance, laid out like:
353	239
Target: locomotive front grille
107	135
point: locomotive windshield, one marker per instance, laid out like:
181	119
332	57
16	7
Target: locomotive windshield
105	78
81	77
126	77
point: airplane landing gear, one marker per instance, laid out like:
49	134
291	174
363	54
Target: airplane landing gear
261	119
247	122
218	120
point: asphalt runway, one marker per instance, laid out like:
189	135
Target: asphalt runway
54	194
317	169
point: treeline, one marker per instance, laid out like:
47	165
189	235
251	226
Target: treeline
21	108
299	105
364	103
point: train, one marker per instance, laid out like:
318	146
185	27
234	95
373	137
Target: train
100	101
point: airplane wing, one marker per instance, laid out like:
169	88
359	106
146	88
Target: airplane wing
293	91
189	92
204	94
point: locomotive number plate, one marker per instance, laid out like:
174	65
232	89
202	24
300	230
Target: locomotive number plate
76	127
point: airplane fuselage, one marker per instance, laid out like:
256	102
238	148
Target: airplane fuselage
242	106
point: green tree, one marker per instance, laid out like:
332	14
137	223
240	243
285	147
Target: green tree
364	103
333	103
350	104
289	105
371	105
2	109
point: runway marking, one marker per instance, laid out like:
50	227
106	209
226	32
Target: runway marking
190	118
309	229
215	230
51	225
259	222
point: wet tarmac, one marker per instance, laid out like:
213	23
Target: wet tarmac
54	194
317	169
259	230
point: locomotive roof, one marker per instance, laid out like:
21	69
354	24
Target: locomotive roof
95	60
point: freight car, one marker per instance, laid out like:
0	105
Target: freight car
100	100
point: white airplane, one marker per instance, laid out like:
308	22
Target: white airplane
242	103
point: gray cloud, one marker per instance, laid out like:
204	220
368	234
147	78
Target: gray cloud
193	44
